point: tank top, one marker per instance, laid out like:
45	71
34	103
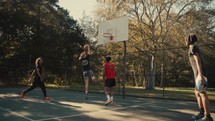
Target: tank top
86	62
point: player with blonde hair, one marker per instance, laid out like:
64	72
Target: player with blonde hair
87	72
37	79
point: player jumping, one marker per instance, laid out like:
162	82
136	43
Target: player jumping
87	72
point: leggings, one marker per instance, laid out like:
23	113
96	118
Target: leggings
35	84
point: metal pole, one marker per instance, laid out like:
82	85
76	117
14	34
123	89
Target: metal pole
123	82
163	73
119	74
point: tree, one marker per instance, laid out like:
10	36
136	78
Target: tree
152	25
89	27
37	28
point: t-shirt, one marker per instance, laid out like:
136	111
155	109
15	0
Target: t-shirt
193	49
109	70
86	62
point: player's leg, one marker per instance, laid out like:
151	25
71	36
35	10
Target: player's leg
92	74
113	84
198	98
200	105
86	80
86	88
107	91
33	86
43	88
205	103
111	94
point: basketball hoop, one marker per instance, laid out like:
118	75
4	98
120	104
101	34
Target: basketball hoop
109	36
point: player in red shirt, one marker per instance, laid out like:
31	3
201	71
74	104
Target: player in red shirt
109	76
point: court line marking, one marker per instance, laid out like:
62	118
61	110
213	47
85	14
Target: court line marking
74	115
17	114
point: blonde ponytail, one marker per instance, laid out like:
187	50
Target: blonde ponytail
37	61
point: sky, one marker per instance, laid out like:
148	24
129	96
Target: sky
77	7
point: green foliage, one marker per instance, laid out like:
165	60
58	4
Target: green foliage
157	30
37	28
33	28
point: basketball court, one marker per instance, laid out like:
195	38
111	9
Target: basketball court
71	106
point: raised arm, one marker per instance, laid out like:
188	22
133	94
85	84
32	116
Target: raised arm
81	55
89	50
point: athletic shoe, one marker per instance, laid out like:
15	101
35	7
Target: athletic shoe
108	102
198	116
47	98
207	118
22	95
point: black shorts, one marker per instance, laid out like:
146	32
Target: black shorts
110	82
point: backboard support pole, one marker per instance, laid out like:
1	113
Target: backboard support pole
124	73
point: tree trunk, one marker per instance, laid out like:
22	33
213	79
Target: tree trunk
135	75
144	75
151	81
135	78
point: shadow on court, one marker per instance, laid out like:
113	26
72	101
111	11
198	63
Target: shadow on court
71	106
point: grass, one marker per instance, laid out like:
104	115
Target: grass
179	93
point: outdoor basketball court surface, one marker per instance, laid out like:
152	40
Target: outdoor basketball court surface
71	106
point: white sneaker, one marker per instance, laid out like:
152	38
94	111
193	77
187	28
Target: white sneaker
108	102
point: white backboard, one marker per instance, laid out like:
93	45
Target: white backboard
114	30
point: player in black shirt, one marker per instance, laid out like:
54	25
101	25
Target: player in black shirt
87	72
37	78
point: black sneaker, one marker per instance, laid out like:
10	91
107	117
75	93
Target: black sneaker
207	118
197	117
